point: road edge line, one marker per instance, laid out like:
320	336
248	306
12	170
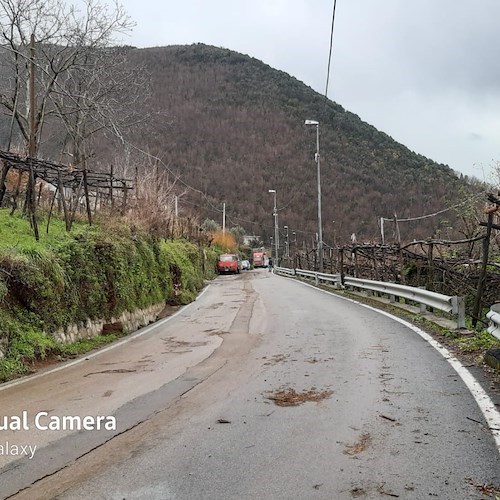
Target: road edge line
485	403
86	357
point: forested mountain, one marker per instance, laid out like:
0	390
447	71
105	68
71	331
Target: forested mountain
232	128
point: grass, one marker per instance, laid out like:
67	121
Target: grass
16	232
93	272
477	343
85	345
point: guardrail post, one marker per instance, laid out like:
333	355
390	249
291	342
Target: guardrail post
338	283
316	279
423	307
392	298
460	313
342	276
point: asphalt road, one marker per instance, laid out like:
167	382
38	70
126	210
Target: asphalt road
382	414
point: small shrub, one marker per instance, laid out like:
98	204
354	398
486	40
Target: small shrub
11	368
478	342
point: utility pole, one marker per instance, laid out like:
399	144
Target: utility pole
276	232
223	218
287	245
396	225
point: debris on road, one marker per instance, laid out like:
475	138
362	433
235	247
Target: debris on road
277	358
118	370
484	488
382	491
387	418
290	397
360	446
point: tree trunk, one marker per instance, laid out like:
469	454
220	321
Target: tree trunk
3	179
482	277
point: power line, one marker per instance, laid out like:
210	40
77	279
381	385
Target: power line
435	213
331	46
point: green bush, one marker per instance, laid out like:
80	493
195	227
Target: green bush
91	273
11	368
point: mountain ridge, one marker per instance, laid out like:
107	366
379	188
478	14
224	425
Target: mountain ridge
232	127
243	123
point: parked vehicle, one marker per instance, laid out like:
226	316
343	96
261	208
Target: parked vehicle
245	265
258	258
228	263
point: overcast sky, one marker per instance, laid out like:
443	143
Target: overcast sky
427	73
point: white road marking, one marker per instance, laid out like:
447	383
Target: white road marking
486	405
63	366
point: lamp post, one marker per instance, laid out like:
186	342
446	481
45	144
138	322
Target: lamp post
320	225
276	234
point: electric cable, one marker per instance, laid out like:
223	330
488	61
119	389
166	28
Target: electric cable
435	213
331	46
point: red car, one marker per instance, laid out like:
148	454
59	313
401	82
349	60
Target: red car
228	263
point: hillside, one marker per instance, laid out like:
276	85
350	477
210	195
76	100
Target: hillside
234	128
71	292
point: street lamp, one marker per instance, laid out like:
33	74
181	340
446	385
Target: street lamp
320	225
276	234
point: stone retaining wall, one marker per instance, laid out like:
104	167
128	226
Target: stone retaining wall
127	322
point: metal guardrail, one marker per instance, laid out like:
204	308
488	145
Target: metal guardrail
307	274
439	301
319	277
284	270
494	316
450	304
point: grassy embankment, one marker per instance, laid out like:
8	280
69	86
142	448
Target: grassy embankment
93	272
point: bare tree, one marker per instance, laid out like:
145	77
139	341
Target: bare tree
153	203
67	41
100	95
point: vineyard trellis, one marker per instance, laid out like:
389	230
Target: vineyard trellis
460	267
66	184
149	198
